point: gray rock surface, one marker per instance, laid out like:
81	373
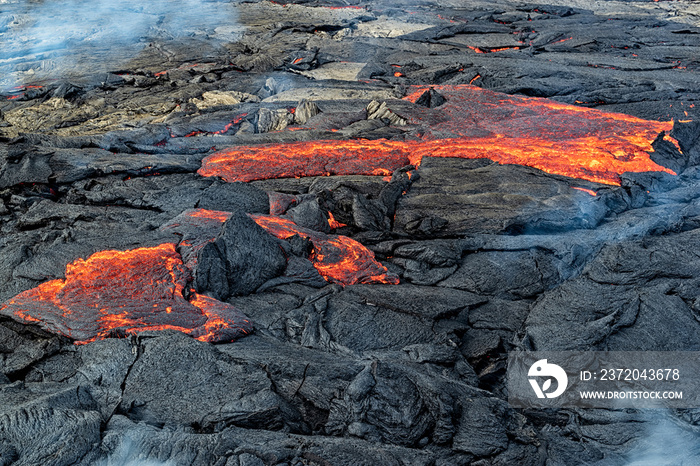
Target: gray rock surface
243	257
101	137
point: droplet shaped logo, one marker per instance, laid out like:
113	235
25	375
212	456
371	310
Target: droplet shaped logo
542	369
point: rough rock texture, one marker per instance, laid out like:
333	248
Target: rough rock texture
479	196
242	258
386	281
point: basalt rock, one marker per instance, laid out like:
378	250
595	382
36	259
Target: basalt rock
242	258
431	99
366	207
490	198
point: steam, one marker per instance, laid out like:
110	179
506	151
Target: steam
128	453
666	443
52	37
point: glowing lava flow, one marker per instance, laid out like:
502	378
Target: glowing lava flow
557	138
297	159
126	291
583	158
333	223
337	258
587	191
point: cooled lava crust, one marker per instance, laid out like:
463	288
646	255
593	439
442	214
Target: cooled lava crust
311	233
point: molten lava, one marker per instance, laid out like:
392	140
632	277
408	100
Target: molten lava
486	50
585	190
557	138
126	291
297	159
337	258
333	223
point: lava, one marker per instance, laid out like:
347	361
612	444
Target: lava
126	291
237	120
562	40
337	258
585	190
563	139
314	158
280	202
486	50
224	323
183	67
581	158
333	223
20	91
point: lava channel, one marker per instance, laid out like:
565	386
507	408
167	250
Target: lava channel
557	138
299	159
113	292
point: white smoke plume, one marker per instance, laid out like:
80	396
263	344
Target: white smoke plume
49	38
667	443
128	453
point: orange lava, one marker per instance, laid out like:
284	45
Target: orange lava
333	223
216	215
18	94
228	126
589	158
587	191
280	202
337	258
476	49
499	49
128	291
557	138
562	40
297	159
224	322
183	67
